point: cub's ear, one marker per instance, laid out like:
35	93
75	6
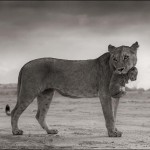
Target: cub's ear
111	48
135	46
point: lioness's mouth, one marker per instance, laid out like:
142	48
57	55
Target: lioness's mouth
120	72
117	72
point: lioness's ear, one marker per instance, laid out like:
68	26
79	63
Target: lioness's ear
135	46
111	48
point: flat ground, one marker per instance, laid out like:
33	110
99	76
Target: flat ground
80	123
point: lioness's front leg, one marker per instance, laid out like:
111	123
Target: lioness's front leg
106	103
115	102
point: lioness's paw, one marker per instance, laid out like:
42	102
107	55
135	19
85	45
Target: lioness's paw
114	133
17	132
52	131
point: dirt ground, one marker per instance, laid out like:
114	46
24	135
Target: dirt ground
80	123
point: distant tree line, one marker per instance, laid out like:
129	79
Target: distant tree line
14	86
136	89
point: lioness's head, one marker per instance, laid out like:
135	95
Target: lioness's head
123	58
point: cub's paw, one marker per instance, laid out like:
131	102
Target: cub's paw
17	132
52	131
114	133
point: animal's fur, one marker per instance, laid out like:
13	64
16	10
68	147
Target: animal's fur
83	78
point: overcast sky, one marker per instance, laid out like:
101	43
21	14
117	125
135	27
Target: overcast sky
72	30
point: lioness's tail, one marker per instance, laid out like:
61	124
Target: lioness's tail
7	110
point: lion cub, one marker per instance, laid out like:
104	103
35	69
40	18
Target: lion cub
118	81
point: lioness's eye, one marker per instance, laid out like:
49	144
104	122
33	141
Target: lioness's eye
126	57
115	59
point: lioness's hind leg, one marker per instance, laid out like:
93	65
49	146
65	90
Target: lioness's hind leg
44	99
22	103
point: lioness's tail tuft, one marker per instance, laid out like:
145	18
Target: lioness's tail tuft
7	110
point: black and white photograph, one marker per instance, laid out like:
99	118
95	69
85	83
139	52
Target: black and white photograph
74	74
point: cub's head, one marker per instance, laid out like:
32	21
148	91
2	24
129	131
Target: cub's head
132	74
123	58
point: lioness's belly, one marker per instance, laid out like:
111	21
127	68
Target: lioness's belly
78	92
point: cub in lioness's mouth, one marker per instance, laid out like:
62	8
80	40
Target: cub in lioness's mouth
118	81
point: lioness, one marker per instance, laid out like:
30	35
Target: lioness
79	78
